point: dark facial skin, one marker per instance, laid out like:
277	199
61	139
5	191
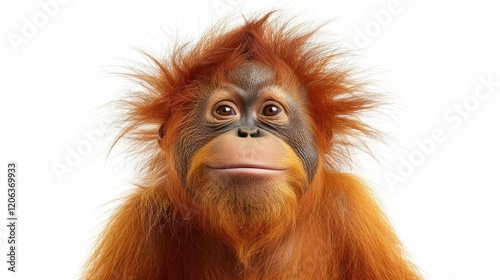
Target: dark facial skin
251	106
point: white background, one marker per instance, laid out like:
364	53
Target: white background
428	57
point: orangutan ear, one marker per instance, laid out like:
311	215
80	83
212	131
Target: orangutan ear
161	133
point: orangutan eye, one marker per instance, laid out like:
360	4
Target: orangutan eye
225	111
271	110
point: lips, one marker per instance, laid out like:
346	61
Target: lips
246	169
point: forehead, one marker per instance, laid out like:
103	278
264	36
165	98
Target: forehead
252	79
252	76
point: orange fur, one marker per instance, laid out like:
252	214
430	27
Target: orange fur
340	234
333	230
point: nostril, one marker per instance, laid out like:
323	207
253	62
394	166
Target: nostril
248	131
